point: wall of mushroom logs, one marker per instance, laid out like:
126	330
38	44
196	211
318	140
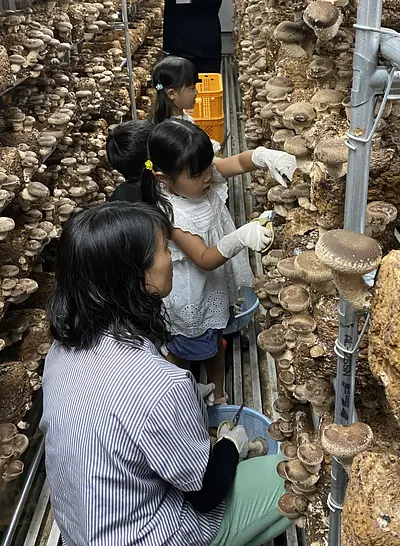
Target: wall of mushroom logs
61	64
294	59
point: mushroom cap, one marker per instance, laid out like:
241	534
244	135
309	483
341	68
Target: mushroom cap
47	140
347	442
282	404
286	377
9	270
291	505
296	471
287	269
310	454
311	269
272	288
294	298
320	68
382	212
332	151
348	252
8	431
275	432
296	146
289	451
6	224
302	324
272	340
329	96
321	14
37	189
299	112
279	82
318	391
289	32
12	470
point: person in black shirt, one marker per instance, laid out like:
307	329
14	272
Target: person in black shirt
193	31
127	153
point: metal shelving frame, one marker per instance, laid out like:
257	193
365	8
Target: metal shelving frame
29	478
375	74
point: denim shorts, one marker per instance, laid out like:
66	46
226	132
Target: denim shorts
196	348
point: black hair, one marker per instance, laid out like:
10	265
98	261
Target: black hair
175	146
102	258
127	148
170	73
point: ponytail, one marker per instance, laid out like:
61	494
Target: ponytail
163	108
152	194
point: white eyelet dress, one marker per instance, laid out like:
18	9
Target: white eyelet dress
200	300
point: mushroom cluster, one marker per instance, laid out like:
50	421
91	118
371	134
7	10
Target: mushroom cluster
63	84
294	61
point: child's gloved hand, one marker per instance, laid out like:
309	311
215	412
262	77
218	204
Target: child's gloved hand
278	163
252	235
207	393
238	436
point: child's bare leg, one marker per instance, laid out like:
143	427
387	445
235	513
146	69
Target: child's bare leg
178	361
215	368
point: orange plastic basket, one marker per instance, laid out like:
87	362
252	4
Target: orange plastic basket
209	101
214	128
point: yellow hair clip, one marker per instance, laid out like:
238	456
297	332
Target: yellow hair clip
149	165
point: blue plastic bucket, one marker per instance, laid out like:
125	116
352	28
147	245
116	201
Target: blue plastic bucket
247	310
255	423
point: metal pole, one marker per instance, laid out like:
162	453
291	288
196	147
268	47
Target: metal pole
124	12
362	120
10	531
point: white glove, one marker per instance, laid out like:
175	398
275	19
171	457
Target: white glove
207	393
239	437
252	235
216	146
278	163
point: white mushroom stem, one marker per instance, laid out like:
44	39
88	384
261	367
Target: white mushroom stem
352	288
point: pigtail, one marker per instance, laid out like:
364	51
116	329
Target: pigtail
152	194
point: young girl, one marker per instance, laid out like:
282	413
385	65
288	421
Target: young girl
207	251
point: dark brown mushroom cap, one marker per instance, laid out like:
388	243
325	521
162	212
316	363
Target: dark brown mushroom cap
381	212
311	269
294	298
346	442
310	454
8	431
318	391
290	32
272	340
291	505
279	82
348	252
275	432
296	471
321	14
302	324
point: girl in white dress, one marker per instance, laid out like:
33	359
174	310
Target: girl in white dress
210	262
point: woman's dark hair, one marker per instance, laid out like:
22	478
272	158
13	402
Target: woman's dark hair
127	148
102	258
175	146
170	73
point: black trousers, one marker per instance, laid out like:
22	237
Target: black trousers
203	66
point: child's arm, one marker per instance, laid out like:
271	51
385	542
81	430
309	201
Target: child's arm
280	164
235	165
196	250
251	235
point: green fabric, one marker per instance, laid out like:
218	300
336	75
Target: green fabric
251	516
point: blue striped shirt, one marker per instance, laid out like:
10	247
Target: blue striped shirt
126	436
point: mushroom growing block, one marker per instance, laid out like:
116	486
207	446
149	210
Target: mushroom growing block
350	256
371	514
384	330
